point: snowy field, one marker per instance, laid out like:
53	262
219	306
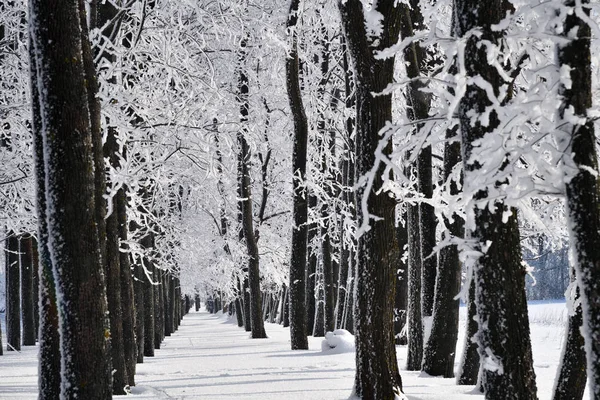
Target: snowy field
211	358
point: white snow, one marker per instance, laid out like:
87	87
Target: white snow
210	358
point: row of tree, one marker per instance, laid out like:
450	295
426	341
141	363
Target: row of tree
425	142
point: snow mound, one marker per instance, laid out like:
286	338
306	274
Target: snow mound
338	341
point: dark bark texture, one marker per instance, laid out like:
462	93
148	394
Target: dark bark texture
13	294
49	350
440	350
27	270
60	40
297	285
377	376
582	189
503	334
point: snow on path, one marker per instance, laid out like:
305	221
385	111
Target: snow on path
210	358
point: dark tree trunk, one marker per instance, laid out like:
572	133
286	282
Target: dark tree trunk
572	376
49	340
113	280
438	358
140	311
297	286
311	271
197	307
128	306
36	282
319	326
149	314
13	294
257	323
68	155
286	308
170	324
401	301
239	307
27	271
159	322
468	370
582	189
503	333
415	320
377	375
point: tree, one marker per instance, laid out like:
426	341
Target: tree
377	375
582	183
503	334
27	271
69	194
298	264
13	294
257	323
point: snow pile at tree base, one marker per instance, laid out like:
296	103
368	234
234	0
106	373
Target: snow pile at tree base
338	341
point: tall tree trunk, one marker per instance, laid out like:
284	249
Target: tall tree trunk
401	301
311	270
438	358
49	340
571	377
414	356
297	286
468	370
582	189
257	323
113	280
27	271
149	314
140	312
13	294
36	290
128	305
503	333
68	157
377	375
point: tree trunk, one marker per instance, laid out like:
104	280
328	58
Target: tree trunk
140	311
36	290
401	301
503	333
311	271
377	375
13	294
414	356
297	285
468	370
440	350
27	271
582	189
257	323
49	340
68	157
113	280
128	304
149	315
571	377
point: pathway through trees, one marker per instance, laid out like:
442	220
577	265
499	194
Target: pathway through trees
210	358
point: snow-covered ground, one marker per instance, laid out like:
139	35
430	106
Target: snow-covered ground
211	358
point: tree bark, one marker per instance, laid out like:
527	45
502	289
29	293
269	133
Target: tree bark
440	350
13	294
27	271
377	376
49	340
128	305
113	279
401	300
297	285
571	376
311	271
468	371
74	241
503	333
582	190
414	356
